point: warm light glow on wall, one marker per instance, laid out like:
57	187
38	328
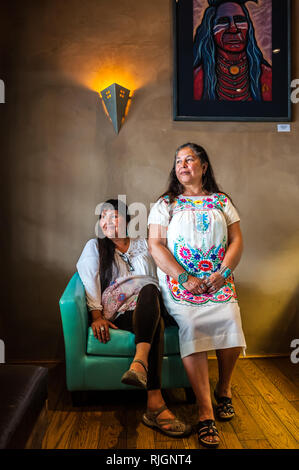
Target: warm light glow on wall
101	80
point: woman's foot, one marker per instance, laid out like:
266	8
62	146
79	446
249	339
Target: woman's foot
155	401
223	396
163	420
137	366
165	414
134	376
208	435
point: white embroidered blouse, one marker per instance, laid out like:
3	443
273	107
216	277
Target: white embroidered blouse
131	271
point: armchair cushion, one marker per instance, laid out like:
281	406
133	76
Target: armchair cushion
122	343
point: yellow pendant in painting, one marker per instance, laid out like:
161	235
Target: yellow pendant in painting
234	70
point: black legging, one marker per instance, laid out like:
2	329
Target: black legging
147	323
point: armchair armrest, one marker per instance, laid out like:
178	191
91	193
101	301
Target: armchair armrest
74	318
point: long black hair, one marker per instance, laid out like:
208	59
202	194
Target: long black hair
106	246
209	184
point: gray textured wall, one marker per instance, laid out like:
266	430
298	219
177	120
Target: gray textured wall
61	157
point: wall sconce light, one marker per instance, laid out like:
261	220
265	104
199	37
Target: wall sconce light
115	98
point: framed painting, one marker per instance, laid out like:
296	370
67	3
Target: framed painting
232	60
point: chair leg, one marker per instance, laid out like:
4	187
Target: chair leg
190	395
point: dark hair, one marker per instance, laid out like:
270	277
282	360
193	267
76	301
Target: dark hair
209	184
106	246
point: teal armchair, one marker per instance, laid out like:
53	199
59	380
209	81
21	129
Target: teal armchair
91	365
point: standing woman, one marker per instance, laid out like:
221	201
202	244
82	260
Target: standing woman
121	286
196	241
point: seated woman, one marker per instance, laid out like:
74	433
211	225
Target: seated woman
196	241
119	276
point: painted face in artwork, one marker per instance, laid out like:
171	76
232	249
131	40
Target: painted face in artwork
230	27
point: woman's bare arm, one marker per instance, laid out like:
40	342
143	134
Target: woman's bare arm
235	246
157	243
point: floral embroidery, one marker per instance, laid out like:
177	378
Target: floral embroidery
205	265
122	294
200	264
185	253
202	221
215	201
196	261
221	253
121	297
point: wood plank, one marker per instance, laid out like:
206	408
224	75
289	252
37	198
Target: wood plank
139	436
112	436
35	440
286	413
87	432
213	367
188	413
240	384
288	389
289	369
243	423
288	418
60	430
256	444
191	442
296	404
109	417
170	444
228	437
274	431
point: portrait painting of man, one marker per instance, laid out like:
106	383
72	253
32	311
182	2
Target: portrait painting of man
232	50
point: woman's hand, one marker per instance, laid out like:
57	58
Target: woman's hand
195	285
215	282
100	328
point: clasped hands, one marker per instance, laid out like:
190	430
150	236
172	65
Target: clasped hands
205	285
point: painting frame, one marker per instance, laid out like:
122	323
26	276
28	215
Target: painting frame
186	108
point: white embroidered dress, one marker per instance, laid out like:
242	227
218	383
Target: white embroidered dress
197	237
122	293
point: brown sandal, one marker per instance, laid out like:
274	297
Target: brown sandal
136	379
177	429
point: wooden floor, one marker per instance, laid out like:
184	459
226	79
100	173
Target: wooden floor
265	397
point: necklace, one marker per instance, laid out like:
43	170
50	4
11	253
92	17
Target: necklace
126	259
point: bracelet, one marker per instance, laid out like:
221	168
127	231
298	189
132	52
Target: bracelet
183	277
225	272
